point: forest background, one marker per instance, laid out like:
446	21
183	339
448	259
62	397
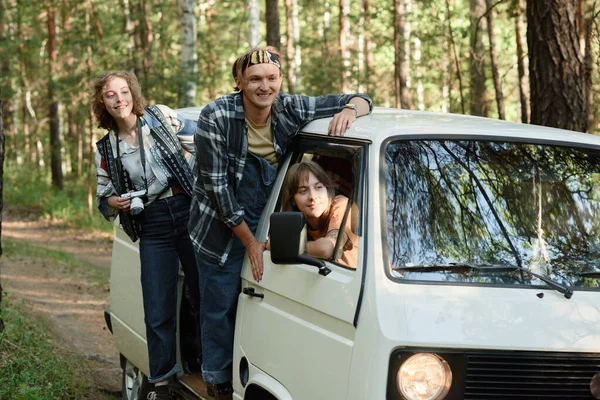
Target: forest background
531	61
528	61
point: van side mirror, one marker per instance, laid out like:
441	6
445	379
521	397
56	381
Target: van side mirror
288	241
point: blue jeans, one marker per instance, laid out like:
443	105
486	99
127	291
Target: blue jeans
164	242
220	285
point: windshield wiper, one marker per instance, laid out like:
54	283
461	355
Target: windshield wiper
436	267
566	291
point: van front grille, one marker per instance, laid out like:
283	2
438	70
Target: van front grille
514	375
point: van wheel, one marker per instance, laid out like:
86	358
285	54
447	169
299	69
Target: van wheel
135	384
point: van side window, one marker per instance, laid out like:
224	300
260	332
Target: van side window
333	231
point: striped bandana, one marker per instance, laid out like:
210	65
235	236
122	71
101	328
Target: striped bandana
260	57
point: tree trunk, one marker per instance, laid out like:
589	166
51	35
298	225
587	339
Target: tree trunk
189	54
80	151
55	142
4	71
589	69
556	67
518	9
143	40
400	67
272	18
344	35
148	38
8	67
494	60
71	137
253	23
446	75
289	47
293	54
406	96
129	30
26	91
456	60
1	198
478	96
89	129
368	48
70	98
25	130
135	40
419	76
91	15
326	46
581	25
210	60
91	176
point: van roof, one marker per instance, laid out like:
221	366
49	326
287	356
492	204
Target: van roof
386	122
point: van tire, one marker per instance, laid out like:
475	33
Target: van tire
134	383
255	392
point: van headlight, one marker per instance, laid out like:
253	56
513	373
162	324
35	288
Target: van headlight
424	376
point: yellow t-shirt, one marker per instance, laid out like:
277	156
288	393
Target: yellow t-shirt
260	141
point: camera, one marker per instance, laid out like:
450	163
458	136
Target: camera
137	203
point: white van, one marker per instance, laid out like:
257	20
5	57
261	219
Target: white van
478	272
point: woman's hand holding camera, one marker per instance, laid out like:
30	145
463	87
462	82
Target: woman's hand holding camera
119	202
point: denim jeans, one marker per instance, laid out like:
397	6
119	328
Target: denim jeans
164	242
220	285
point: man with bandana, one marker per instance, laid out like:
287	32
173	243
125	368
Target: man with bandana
241	138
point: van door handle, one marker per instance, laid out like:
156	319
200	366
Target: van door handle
249	291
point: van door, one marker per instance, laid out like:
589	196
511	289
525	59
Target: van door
301	333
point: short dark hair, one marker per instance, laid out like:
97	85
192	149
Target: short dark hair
298	174
237	69
105	120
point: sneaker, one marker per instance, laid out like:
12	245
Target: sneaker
220	391
160	393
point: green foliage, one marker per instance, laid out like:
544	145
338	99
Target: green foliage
27	189
32	369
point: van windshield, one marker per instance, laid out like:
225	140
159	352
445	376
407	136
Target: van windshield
493	204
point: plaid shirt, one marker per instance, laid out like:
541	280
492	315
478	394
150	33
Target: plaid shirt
222	143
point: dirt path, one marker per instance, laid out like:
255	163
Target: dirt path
71	301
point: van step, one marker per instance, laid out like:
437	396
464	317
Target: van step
195	384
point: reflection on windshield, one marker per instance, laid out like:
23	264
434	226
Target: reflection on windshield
533	206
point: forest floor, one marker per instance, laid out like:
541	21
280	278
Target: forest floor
70	300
